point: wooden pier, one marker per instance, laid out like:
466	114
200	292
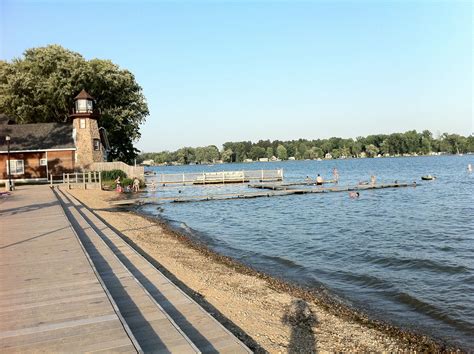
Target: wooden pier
286	185
221	177
274	192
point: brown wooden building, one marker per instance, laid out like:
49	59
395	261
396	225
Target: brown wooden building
40	150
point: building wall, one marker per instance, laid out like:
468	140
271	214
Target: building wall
58	162
86	155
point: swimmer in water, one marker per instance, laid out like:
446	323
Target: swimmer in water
354	195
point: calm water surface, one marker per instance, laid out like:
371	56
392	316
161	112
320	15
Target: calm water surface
403	255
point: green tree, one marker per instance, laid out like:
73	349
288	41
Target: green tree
301	151
345	152
425	146
336	153
212	153
257	152
227	155
454	143
282	152
384	147
269	152
314	153
40	87
356	148
371	150
470	143
185	155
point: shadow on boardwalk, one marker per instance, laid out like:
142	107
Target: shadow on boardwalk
27	208
301	320
34	237
226	322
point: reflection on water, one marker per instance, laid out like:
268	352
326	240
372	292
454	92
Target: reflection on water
405	254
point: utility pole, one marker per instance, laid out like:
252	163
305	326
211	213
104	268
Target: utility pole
7	138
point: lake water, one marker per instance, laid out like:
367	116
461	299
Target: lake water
403	255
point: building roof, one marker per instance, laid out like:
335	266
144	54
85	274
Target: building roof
83	95
39	136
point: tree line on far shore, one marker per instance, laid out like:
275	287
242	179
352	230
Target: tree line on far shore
396	144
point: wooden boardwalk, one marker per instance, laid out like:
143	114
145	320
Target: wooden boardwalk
69	283
202	329
50	298
149	323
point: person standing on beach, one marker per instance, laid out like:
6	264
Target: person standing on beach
335	174
136	184
118	187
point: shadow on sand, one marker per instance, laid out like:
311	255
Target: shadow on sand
301	320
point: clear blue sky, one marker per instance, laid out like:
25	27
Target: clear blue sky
248	70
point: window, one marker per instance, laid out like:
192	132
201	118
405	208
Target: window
17	167
96	144
84	106
82	123
43	162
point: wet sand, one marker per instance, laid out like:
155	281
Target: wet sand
268	314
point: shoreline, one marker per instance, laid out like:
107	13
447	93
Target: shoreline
289	317
321	296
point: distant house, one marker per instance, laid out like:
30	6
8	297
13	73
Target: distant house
148	162
263	159
40	150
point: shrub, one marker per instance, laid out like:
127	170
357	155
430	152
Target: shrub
113	174
127	181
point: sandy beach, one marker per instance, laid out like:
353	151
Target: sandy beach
267	314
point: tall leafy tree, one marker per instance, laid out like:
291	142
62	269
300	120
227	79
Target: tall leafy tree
282	152
256	152
227	155
269	152
371	150
41	85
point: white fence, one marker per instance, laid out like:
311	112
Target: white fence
219	177
84	180
131	171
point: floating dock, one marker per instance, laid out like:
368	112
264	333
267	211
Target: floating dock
284	186
248	195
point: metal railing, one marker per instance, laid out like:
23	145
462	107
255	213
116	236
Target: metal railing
219	177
